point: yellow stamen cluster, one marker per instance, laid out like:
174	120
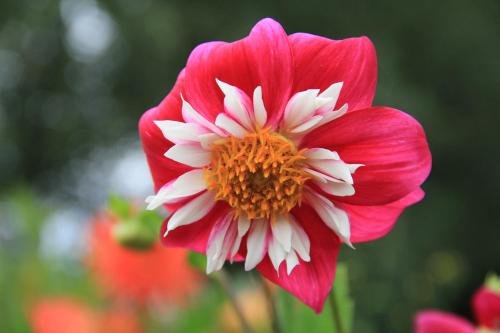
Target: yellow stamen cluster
260	175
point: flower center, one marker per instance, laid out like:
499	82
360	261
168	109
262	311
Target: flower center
259	175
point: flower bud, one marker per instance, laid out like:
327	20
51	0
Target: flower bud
134	235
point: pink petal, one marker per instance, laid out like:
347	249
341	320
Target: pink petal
391	145
261	59
154	143
320	62
486	305
309	281
441	322
373	222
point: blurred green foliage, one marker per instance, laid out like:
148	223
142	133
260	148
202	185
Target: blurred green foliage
63	96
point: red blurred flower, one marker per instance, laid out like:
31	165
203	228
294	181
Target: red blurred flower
159	274
63	315
272	143
486	306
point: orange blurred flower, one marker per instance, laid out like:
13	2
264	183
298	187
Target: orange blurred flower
119	321
63	315
158	274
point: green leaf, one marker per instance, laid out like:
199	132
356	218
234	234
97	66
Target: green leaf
119	206
197	260
150	220
343	300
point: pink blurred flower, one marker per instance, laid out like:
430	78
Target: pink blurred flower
159	274
486	306
442	322
269	150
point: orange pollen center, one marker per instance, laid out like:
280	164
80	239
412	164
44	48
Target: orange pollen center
260	175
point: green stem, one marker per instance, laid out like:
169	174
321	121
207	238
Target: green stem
221	278
337	319
271	301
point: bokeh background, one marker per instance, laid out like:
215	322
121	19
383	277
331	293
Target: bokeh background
76	75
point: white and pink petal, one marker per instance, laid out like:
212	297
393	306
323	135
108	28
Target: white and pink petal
220	243
192	211
256	243
243	226
237	104
335	218
193	155
188	184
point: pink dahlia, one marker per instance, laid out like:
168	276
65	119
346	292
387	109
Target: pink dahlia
268	150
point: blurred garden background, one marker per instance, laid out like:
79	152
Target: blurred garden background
76	75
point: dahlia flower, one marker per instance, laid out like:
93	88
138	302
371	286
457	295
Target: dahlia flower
156	275
268	150
442	322
62	315
486	306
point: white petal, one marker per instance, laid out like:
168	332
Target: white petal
258	107
188	184
243	226
207	140
328	117
318	175
230	126
291	262
189	154
354	167
300	241
177	131
307	125
323	102
282	231
256	244
234	104
190	115
335	218
340	189
216	249
332	115
321	154
300	107
192	212
336	169
276	253
332	92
